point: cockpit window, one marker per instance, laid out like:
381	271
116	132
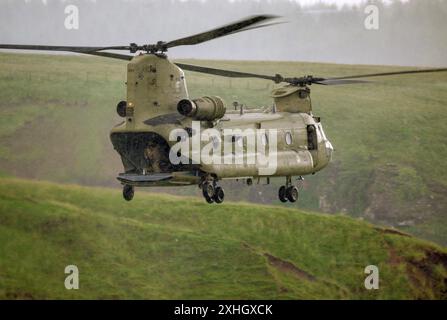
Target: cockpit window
312	142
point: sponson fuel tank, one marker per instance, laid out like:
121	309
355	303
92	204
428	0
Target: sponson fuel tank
281	163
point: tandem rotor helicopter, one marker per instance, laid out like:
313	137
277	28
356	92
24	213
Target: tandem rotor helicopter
158	103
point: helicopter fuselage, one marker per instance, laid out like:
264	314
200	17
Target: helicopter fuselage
145	141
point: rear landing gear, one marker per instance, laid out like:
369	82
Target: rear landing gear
128	192
288	192
212	193
208	192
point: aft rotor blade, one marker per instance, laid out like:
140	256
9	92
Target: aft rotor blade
332	82
389	73
225	30
227	73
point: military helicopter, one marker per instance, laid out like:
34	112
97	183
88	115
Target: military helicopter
158	104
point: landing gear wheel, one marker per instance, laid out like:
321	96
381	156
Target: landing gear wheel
219	195
292	193
208	192
209	200
128	192
282	194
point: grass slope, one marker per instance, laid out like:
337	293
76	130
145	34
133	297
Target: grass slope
164	246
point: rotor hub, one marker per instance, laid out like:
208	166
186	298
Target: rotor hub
159	47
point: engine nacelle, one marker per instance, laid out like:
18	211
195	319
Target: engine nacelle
205	108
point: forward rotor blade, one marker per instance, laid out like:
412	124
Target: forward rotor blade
263	25
227	73
48	48
389	73
249	23
110	55
83	50
225	30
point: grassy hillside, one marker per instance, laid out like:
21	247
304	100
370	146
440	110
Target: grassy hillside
193	250
390	136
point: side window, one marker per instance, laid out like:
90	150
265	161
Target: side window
216	142
264	139
289	139
312	142
239	140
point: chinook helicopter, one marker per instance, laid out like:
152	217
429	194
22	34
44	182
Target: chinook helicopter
158	104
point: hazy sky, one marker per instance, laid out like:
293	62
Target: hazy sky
304	2
337	2
412	33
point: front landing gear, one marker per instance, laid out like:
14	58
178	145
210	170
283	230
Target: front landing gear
219	195
282	194
292	193
212	193
128	192
288	192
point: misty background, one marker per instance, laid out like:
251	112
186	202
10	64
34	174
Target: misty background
410	33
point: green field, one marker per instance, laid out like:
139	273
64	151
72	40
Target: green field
390	136
142	249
